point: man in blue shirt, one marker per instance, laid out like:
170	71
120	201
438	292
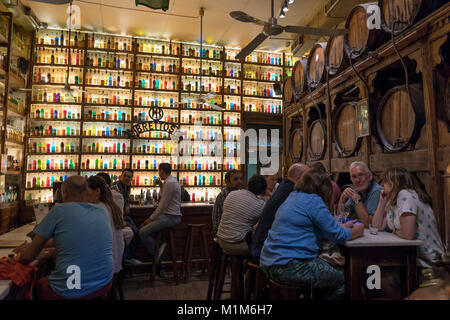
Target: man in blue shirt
361	198
83	243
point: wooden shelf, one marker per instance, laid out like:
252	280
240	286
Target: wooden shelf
110	51
58	103
157	72
263	65
198	76
53	154
263	98
43	188
47	171
56	65
105	154
159	55
263	81
109	69
56	120
203	59
107	105
55	84
151	154
54	137
215	171
107	87
50	46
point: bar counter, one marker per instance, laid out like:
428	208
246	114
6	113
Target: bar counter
193	213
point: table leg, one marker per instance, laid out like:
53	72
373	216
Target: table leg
411	270
353	273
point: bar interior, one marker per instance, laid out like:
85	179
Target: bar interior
215	150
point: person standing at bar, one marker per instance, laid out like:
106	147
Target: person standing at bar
233	180
124	187
363	197
167	215
286	186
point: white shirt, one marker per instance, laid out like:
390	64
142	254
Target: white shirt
118	245
408	201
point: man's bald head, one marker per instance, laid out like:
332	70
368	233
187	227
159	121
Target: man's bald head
296	171
74	189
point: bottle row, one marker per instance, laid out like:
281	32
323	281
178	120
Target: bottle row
60	38
263	107
109	61
59	57
14	134
58	76
264	58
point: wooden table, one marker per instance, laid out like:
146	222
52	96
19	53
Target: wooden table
384	250
19	234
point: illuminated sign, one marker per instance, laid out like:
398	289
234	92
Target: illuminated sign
156	114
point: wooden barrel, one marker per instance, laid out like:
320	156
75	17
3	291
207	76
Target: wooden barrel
335	59
400	119
360	39
296	145
345	129
288	92
317	140
315	68
407	12
299	75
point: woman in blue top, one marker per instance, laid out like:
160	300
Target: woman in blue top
291	251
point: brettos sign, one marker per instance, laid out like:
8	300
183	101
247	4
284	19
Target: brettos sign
156	114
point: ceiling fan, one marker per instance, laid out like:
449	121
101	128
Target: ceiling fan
203	98
271	28
67	89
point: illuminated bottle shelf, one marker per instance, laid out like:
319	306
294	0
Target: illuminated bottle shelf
122	78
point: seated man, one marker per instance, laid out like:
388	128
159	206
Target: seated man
168	213
241	211
286	186
272	185
83	241
363	197
233	180
123	186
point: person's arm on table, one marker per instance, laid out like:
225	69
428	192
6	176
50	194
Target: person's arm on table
379	218
31	252
407	226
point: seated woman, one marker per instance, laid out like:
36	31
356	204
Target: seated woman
405	209
291	251
99	194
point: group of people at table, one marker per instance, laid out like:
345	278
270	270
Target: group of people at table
287	234
283	226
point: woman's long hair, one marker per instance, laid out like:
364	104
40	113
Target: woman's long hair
95	183
318	182
400	179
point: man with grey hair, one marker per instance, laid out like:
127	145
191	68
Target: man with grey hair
363	196
286	186
83	241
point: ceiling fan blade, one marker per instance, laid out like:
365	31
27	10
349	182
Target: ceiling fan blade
214	106
315	31
251	46
243	17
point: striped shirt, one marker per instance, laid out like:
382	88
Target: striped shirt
241	211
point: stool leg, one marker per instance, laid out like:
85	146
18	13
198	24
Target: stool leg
155	259
186	250
204	246
219	284
189	257
237	278
213	270
174	260
249	283
119	286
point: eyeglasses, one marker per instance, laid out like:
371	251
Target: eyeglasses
359	176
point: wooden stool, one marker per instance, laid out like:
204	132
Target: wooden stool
218	285
116	291
255	282
172	251
280	291
193	228
216	254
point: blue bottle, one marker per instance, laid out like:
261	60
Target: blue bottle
47	165
58	97
106	115
118	63
119	115
107	131
51	181
119	133
53	147
110	81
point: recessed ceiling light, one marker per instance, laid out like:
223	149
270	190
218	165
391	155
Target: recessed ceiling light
282	15
285	8
290	1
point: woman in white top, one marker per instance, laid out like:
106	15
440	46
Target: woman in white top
99	194
405	209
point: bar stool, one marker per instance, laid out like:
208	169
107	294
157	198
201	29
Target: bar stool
255	282
200	230
280	291
216	254
237	276
172	251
